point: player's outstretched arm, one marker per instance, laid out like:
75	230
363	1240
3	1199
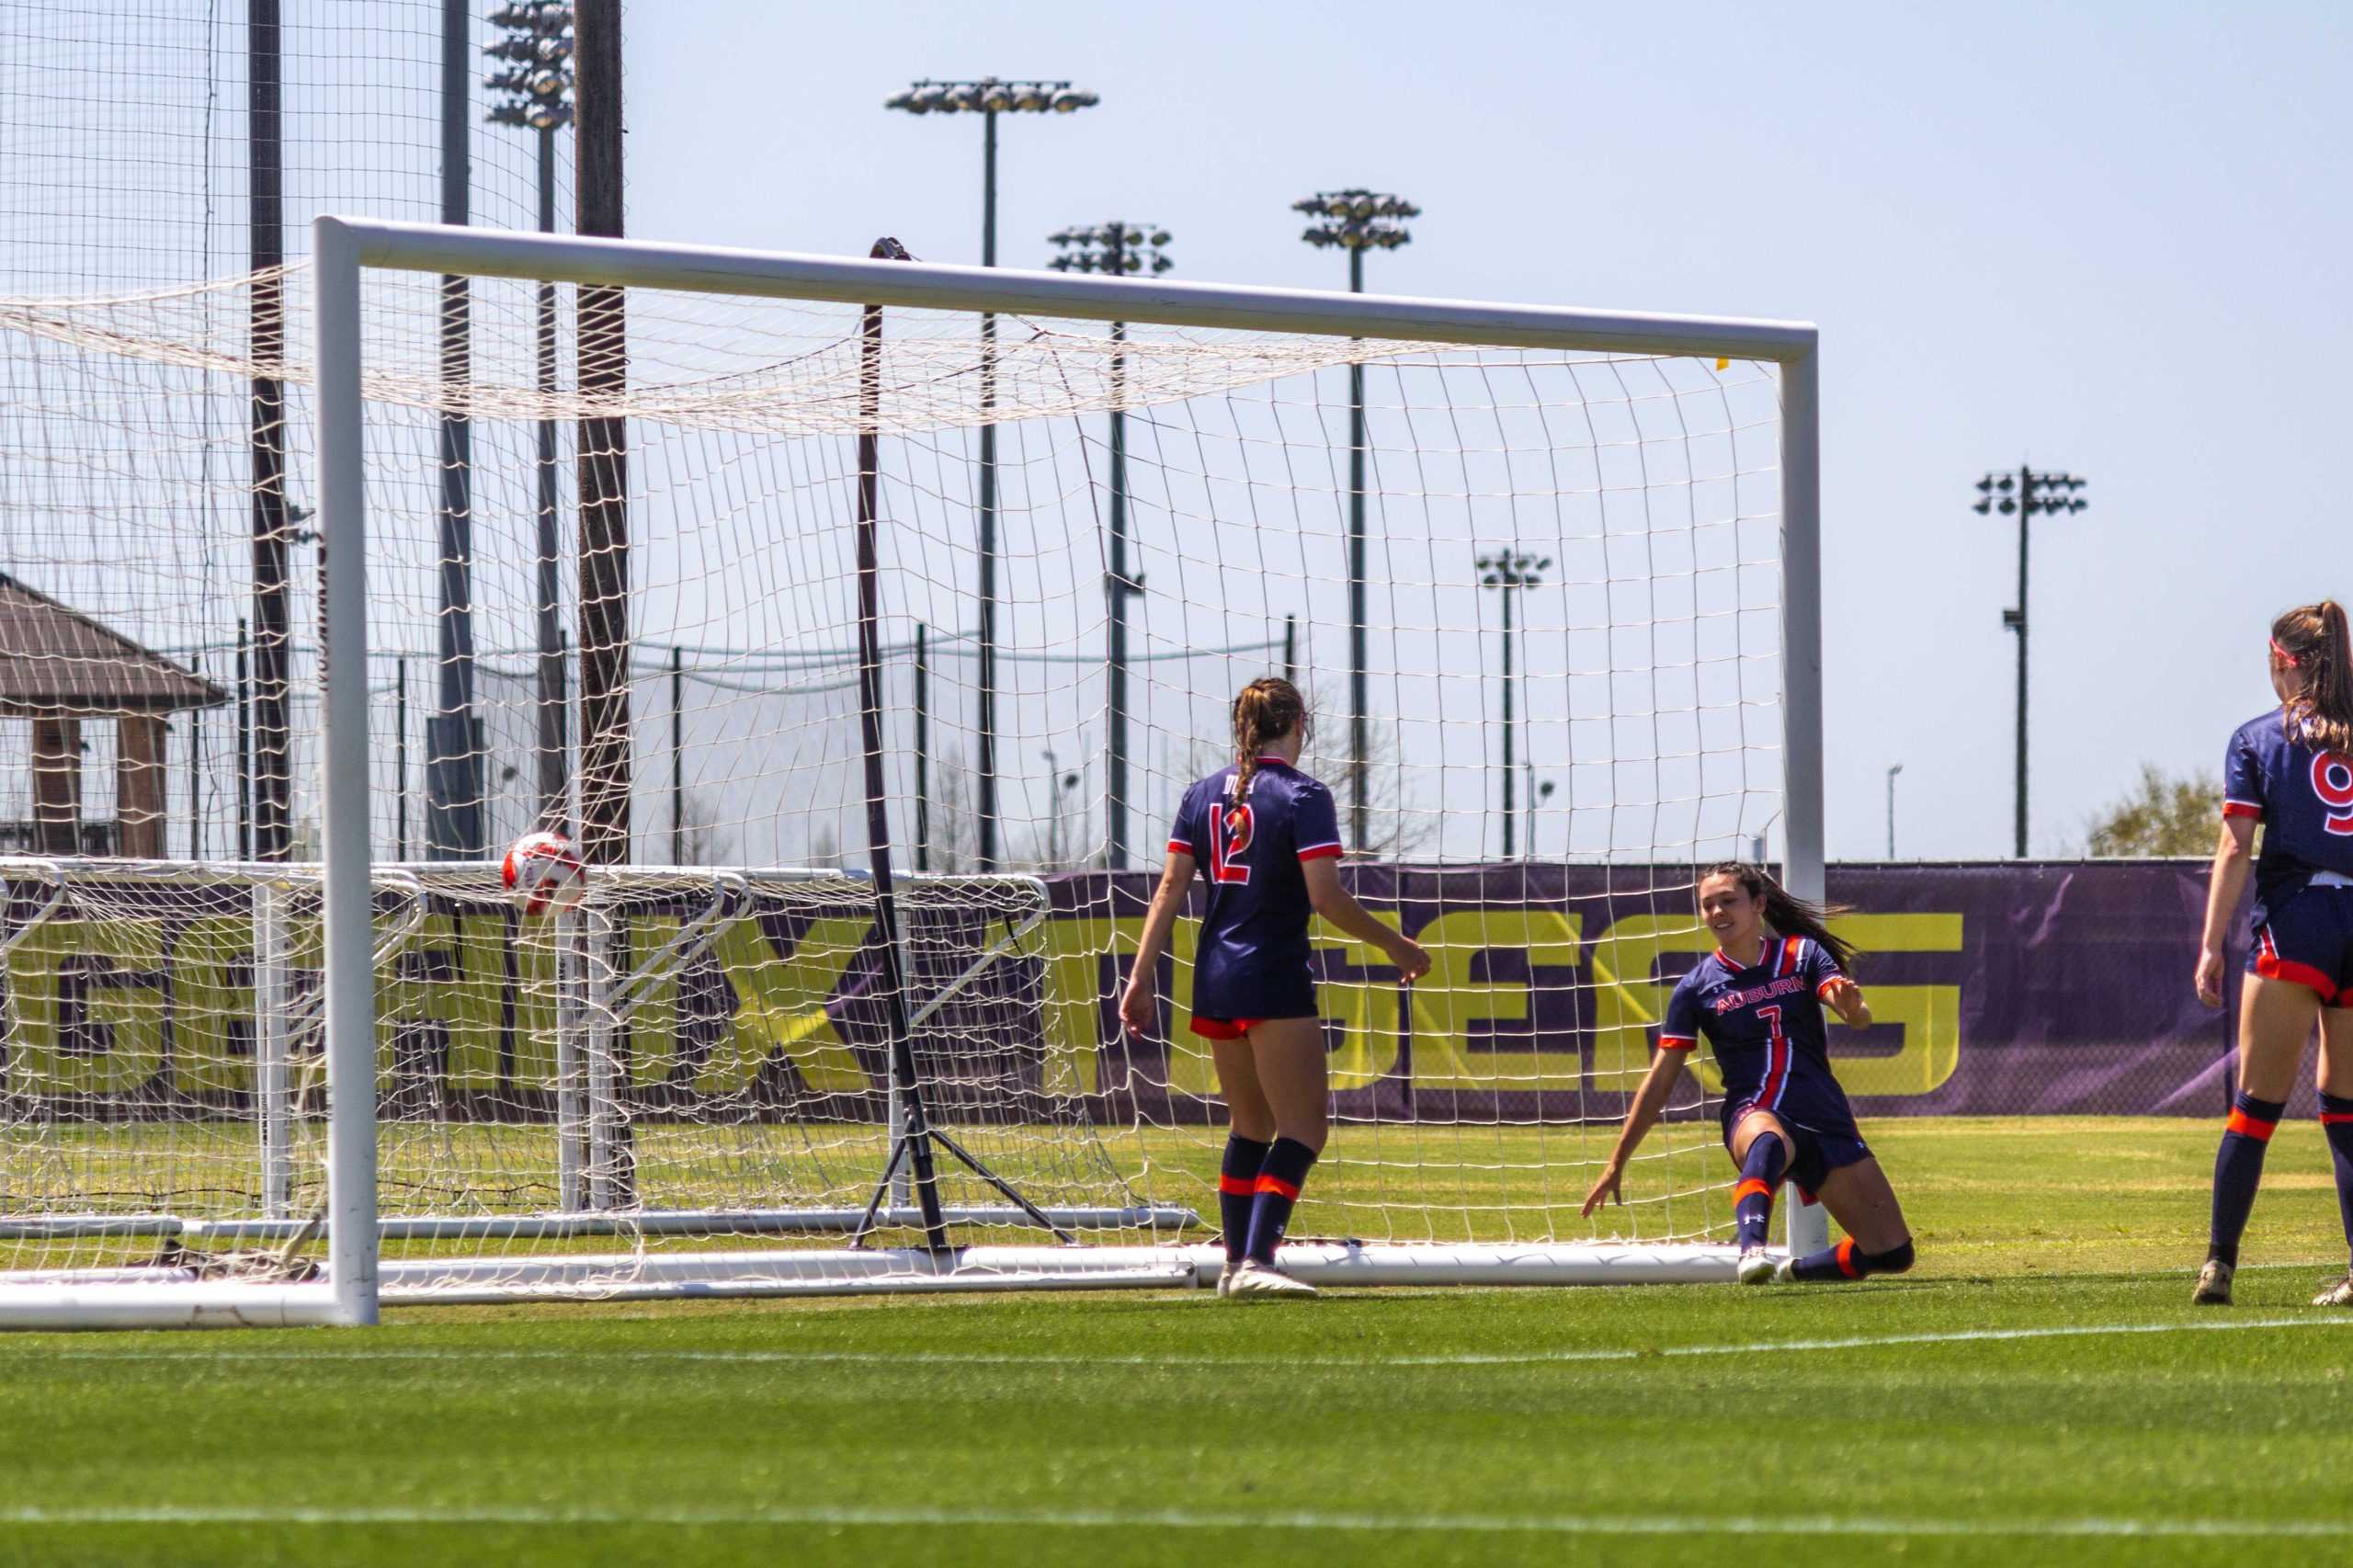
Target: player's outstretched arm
1139	1008
1650	1101
1340	906
2234	858
1846	999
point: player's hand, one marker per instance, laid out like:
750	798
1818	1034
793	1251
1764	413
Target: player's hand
2210	976
1847	998
1413	960
1606	1188
1139	1009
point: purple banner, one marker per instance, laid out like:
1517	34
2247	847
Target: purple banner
1998	989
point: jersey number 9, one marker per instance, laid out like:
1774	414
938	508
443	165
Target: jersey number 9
2333	783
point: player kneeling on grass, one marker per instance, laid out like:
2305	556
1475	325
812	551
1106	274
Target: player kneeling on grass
2289	768
1758	1000
1268	838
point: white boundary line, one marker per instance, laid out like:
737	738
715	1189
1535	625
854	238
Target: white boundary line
2091	1527
963	1358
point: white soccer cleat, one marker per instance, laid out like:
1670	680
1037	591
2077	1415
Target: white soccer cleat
2213	1285
1757	1266
1786	1271
2338	1294
1225	1280
1257	1280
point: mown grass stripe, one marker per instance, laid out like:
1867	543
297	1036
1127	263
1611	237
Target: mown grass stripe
2093	1527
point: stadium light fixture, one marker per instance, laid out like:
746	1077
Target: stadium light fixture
1119	250
988	96
1381	225
2023	494
1510	572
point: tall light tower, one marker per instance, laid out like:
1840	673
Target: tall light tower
1356	221
1505	572
989	97
1122	250
2025	493
537	95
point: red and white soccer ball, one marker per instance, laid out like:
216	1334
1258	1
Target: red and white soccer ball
543	873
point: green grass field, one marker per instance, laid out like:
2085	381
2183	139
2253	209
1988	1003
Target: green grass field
2036	1388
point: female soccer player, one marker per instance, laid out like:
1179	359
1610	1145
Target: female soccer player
1268	840
2292	769
1759	999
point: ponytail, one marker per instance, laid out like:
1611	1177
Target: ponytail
2312	639
1264	712
1788	913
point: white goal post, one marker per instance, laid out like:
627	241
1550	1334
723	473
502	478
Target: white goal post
739	1061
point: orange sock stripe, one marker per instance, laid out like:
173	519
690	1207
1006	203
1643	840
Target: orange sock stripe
1237	1186
2247	1126
2335	1118
1276	1185
1847	1259
1753	1186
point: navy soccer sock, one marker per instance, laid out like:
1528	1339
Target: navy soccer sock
1279	1180
2238	1168
1760	1178
1846	1261
1237	1188
2337	1120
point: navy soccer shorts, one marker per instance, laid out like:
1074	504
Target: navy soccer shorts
2308	939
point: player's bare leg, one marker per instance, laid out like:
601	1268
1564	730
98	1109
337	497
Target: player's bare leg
2336	1122
1877	1241
2275	1018
1762	1148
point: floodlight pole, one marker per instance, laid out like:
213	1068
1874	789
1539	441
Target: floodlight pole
1507	572
454	764
1357	219
2050	492
988	96
1107	248
264	769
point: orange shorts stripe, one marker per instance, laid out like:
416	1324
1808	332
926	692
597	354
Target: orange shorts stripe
1752	1187
2239	1122
1278	1186
1237	1186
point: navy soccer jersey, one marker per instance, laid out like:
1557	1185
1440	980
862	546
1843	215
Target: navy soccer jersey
1764	1022
1252	962
2303	797
2303	879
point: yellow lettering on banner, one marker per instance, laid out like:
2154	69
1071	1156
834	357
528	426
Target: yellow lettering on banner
1367	1010
120	1043
1931	1014
653	1025
212	1015
1448	1000
1191	1069
1629	1003
1074	975
460	962
536	996
780	1007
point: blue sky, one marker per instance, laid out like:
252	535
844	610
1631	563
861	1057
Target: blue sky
2096	238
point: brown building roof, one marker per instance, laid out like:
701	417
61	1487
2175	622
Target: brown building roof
52	657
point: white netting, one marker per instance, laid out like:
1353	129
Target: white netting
751	1082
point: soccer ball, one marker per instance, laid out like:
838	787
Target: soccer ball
543	873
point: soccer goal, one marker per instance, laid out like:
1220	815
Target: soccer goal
863	620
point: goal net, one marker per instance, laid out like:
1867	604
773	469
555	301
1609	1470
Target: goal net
863	622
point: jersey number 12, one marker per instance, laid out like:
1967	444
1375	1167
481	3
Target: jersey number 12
1230	843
